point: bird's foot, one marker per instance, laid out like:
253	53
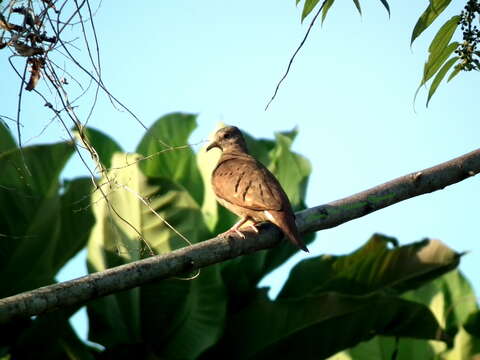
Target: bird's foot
231	231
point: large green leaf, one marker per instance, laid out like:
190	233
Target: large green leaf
125	224
7	142
373	267
433	10
317	326
182	318
31	216
170	156
452	301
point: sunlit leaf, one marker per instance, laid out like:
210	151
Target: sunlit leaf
444	35
436	60
453	302
127	229
454	73
439	77
308	7
169	154
375	266
326	7
434	9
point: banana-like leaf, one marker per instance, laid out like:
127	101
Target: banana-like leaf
371	268
170	156
433	10
318	326
191	316
453	302
185	313
33	242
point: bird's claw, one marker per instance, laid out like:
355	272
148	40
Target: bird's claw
230	231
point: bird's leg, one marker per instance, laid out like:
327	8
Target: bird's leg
235	228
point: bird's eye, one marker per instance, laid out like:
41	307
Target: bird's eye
227	136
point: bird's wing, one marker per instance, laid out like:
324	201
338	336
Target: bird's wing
247	183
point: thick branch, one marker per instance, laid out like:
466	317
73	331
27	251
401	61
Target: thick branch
78	291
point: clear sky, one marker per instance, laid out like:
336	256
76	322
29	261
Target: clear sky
350	92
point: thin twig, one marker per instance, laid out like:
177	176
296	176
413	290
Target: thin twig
295	54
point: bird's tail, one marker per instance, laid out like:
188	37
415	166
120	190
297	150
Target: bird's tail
286	222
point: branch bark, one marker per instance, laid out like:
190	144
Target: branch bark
86	288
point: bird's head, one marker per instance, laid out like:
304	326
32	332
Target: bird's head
229	139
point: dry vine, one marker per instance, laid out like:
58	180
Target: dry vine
38	35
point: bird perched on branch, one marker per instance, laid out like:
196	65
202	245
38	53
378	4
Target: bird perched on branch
248	189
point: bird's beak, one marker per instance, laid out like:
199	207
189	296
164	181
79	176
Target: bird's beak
213	145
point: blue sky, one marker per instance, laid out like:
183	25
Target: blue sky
350	92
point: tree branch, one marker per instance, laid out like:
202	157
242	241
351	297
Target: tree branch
86	288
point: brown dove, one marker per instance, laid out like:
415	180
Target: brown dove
248	189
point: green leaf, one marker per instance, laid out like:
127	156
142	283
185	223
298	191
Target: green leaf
30	218
453	303
444	35
49	336
357	5
326	7
7	142
454	73
315	326
435	8
439	77
372	267
170	156
308	7
385	3
124	227
181	319
291	170
436	60
103	144
76	220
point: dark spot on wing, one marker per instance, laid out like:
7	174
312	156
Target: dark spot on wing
246	190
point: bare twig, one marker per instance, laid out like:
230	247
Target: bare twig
295	54
213	251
